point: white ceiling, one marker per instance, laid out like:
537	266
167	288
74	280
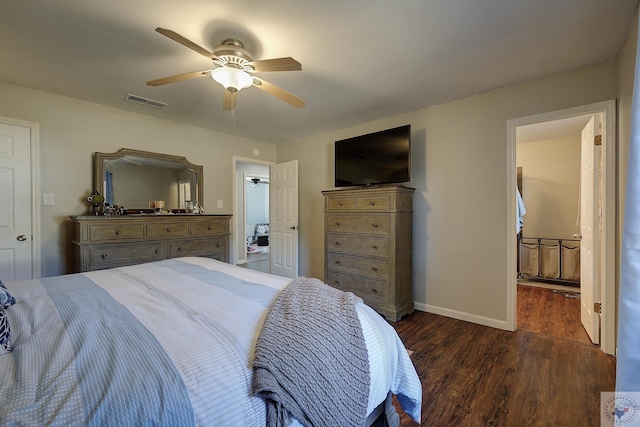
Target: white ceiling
362	60
552	129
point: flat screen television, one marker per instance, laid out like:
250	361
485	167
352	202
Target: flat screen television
382	157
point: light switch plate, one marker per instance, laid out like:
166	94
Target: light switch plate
219	204
47	199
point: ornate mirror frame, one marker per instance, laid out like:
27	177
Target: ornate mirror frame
100	160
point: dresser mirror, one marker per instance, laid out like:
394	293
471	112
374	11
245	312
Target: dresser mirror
145	181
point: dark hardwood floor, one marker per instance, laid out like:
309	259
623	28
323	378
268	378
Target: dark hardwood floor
543	311
474	375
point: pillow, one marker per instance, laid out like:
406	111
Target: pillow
5	343
262	228
5	297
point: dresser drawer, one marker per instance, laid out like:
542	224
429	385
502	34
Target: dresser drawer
178	248
376	246
372	267
213	226
382	201
109	232
109	254
339	203
168	229
370	290
366	224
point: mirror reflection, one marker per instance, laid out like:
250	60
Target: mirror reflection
144	180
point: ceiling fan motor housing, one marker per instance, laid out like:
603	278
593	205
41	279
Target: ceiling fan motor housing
232	53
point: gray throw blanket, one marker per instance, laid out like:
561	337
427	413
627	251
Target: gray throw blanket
311	360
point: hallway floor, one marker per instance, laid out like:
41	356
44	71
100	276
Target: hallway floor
542	311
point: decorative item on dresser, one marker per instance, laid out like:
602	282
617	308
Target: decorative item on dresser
368	245
101	242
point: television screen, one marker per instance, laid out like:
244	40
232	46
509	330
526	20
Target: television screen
376	158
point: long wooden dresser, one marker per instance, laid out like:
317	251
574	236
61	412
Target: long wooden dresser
101	242
368	245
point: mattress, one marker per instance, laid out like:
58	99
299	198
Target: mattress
164	343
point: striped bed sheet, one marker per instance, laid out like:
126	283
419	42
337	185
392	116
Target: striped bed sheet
164	343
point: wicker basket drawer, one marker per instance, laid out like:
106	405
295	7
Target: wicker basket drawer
209	226
376	246
178	248
143	251
372	267
366	224
168	229
370	290
108	232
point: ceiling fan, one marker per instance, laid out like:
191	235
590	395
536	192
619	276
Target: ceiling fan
234	68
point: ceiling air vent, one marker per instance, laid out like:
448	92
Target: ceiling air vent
136	99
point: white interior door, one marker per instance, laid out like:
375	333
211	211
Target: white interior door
15	203
589	242
283	219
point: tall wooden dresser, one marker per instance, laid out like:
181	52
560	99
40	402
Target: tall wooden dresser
101	242
368	245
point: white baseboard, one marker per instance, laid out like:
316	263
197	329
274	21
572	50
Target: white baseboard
460	315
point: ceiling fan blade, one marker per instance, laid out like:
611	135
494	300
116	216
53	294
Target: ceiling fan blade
276	64
229	100
278	92
186	42
178	78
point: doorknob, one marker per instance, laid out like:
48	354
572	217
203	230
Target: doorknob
21	238
293	227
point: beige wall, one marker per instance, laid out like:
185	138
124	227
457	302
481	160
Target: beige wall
71	131
551	186
459	167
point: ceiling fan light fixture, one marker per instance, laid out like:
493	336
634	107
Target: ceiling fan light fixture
232	79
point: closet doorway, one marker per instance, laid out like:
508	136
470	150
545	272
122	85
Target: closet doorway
552	207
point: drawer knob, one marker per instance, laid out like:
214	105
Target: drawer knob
337	224
168	230
374	290
209	228
337	243
217	245
374	225
340	203
336	282
375	247
337	262
157	251
117	232
104	256
179	248
374	268
372	203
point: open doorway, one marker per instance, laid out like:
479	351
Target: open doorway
251	229
548	162
605	256
256	220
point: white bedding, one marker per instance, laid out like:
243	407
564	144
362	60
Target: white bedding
205	317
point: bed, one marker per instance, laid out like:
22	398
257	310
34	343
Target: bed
172	342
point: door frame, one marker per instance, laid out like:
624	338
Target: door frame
34	135
234	196
609	203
